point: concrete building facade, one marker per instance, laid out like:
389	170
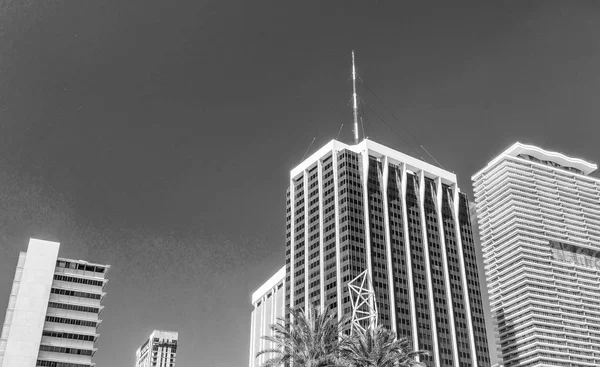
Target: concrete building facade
352	208
269	305
53	311
539	222
159	350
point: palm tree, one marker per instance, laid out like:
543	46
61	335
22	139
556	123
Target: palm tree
378	348
307	339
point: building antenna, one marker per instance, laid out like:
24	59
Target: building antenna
311	143
354	100
339	131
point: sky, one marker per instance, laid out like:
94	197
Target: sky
158	136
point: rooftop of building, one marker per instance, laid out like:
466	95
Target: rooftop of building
539	155
83	262
377	150
268	285
164	334
38	245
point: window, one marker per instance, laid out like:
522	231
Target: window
67	292
63	320
59	364
65	278
66	306
58	334
49	348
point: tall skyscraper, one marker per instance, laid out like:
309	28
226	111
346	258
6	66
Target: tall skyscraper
53	311
352	208
159	350
539	222
269	305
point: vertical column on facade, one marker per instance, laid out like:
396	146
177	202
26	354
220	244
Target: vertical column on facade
463	272
367	224
273	312
407	250
292	240
263	327
338	267
306	236
252	336
440	219
388	245
434	337
321	233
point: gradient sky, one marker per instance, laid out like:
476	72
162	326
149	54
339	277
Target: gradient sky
157	136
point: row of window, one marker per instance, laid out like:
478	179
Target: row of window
59	364
70	265
66	306
51	348
65	278
59	334
67	292
63	320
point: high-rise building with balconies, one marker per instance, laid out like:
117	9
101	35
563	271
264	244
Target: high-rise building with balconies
159	350
362	208
539	222
53	311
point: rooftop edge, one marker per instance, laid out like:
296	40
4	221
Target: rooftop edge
541	154
268	285
372	146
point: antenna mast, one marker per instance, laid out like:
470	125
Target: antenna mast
355	104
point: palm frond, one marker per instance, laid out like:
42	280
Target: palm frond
379	348
309	338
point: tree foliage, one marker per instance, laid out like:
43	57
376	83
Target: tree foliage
307	339
378	347
315	339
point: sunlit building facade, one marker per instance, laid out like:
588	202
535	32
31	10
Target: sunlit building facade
366	207
539	222
159	350
53	311
269	305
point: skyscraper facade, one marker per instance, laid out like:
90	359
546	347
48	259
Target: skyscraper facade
159	350
539	221
352	208
53	311
269	305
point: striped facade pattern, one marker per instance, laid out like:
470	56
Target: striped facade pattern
73	315
269	307
54	309
539	220
351	208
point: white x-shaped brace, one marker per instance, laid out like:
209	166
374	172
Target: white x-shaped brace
364	305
